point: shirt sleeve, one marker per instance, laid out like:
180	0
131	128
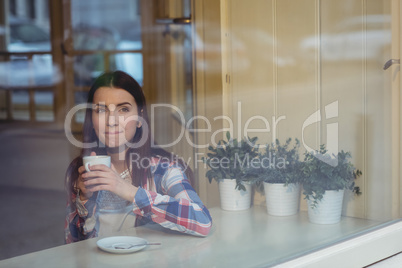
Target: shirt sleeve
80	219
177	207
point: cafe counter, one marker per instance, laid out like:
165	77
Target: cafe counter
249	238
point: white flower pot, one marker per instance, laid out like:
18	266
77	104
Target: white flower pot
233	199
282	200
328	210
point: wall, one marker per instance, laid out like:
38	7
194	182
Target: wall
209	95
288	60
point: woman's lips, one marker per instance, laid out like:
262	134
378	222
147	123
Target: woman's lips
113	132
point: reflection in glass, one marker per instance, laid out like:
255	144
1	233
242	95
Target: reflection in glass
91	37
279	67
130	63
79	98
344	39
336	56
111	21
20	104
106	27
44	106
87	68
26	71
27	36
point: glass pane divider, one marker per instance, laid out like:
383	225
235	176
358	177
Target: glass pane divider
81	88
9	105
106	60
110	52
32	112
27	53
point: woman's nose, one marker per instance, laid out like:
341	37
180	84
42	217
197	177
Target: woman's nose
112	120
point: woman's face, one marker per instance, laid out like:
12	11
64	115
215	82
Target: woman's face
114	116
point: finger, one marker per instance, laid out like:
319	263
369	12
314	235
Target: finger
80	185
81	169
92	175
98	173
99	167
85	190
80	178
93	153
95	182
106	182
95	179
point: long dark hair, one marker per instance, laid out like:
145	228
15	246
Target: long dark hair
139	173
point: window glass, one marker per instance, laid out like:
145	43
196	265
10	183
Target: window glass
87	68
106	26
27	33
130	63
79	98
44	106
306	70
28	67
322	82
114	21
20	108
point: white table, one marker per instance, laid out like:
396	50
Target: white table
238	239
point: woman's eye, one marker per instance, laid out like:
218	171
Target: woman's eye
100	110
124	110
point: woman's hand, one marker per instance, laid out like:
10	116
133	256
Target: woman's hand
85	193
102	177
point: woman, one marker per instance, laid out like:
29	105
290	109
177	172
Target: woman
131	192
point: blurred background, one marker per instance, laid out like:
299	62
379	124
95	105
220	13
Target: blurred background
36	57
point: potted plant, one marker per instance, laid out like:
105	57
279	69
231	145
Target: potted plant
279	175
325	179
228	164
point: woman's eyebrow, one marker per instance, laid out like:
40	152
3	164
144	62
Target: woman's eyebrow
98	104
120	104
124	103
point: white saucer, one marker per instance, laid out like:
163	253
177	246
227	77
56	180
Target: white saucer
109	244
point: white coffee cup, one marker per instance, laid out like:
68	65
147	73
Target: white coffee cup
96	160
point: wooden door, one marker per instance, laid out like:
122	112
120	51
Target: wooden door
168	74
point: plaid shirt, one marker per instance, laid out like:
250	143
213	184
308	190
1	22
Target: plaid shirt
174	205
